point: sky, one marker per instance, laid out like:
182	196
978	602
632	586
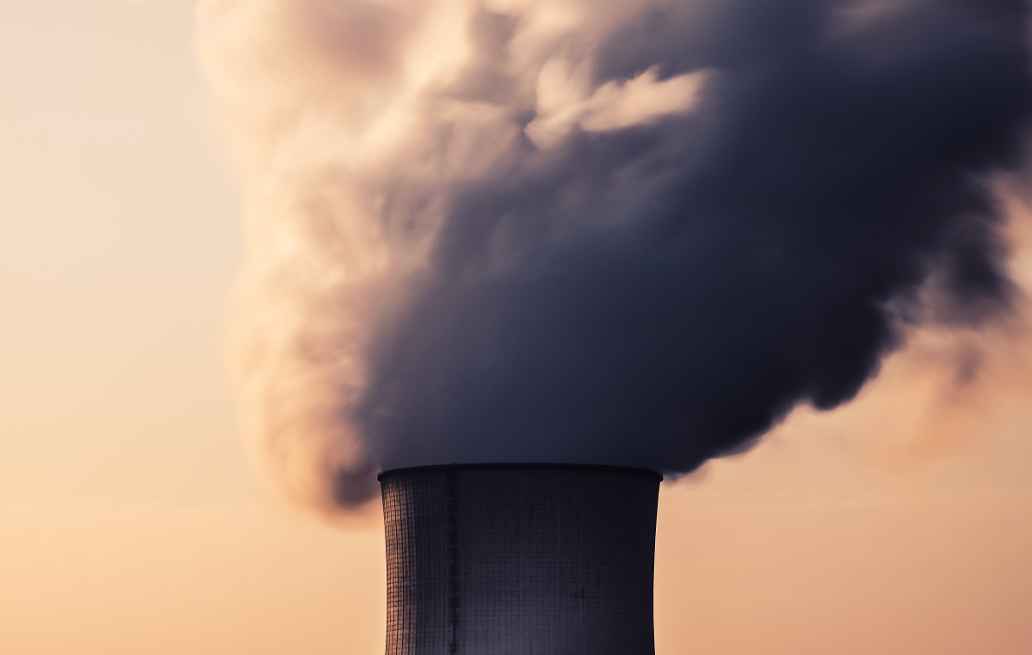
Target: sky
130	518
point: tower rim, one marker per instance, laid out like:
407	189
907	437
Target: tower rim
520	466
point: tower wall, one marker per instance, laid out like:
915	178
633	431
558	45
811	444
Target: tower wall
517	560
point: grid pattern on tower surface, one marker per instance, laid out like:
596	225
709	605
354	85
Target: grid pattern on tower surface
519	561
558	561
416	521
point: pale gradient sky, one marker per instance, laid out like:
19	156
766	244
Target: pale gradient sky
130	522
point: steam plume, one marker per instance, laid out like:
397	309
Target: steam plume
633	233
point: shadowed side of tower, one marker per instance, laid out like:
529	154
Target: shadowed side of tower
515	560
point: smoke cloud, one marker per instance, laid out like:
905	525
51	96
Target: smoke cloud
633	233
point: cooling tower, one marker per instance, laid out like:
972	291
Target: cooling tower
520	560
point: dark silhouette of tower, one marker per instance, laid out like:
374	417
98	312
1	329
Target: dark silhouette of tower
520	560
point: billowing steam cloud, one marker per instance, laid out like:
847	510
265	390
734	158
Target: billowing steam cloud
632	232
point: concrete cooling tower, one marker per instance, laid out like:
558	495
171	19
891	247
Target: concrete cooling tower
520	560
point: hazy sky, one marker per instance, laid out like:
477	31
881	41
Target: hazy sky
129	520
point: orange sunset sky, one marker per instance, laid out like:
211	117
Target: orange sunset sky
131	521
